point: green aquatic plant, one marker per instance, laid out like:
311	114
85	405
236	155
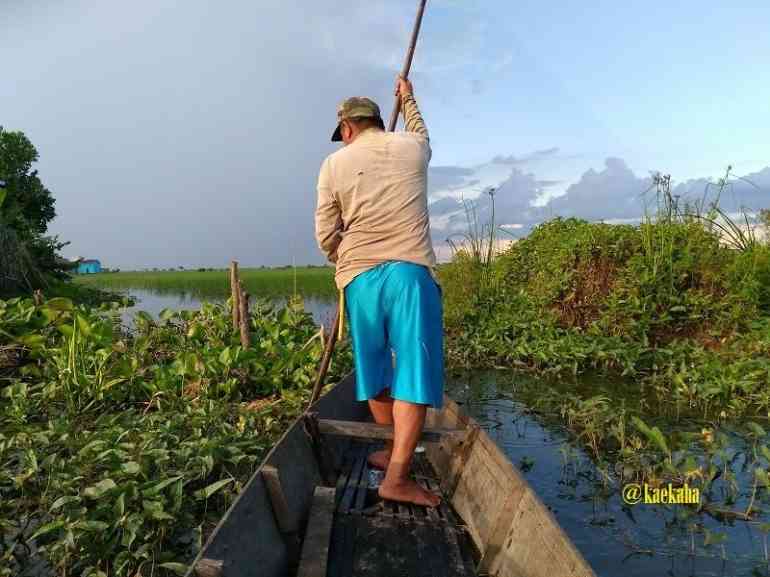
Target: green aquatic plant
119	451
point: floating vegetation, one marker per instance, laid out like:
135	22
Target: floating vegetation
120	451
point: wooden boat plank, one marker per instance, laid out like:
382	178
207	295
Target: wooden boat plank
315	549
353	481
248	531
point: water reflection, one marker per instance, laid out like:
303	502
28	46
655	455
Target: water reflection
153	302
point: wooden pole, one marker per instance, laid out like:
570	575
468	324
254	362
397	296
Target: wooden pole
407	63
235	294
331	340
243	301
327	356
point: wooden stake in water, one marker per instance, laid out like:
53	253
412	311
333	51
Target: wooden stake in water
235	294
243	301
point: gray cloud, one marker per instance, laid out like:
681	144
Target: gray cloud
612	193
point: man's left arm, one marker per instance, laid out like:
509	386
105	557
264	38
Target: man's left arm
328	217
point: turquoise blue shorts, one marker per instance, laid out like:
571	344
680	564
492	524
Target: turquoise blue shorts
396	306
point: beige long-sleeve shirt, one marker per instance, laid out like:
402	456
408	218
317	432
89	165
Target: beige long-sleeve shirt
372	200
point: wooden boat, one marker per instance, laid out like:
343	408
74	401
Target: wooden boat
311	509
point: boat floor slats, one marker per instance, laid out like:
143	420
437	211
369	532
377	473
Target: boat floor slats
372	537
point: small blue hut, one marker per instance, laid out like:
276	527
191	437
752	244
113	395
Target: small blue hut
89	266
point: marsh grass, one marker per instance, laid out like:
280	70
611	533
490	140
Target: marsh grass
215	284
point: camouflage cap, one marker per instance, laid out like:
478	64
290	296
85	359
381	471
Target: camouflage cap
355	107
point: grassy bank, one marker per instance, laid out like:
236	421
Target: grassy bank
215	284
119	452
666	303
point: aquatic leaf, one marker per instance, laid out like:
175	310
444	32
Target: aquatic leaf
207	492
47	528
120	505
158	487
59	304
61	501
32	340
756	429
96	491
84	326
178	568
653	434
131	468
166	314
155	510
93	525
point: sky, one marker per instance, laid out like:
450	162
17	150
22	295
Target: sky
189	134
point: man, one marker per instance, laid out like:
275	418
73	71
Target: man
372	221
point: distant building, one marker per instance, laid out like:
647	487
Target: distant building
88	266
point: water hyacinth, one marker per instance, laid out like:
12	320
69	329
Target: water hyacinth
120	450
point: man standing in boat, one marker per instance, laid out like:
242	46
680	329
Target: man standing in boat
372	222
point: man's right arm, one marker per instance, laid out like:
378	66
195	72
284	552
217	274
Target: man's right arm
413	121
328	217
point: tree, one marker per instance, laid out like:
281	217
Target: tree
26	208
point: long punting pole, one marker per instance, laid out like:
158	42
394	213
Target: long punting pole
332	340
407	63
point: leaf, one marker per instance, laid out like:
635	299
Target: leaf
32	340
158	487
61	501
155	510
47	528
120	505
756	429
3	193
178	568
207	492
59	304
96	491
93	525
83	325
131	468
653	434
166	314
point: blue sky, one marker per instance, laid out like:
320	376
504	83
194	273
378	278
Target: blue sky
191	133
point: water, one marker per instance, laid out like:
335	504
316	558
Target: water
616	539
152	302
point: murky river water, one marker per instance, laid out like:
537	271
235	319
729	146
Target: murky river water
616	539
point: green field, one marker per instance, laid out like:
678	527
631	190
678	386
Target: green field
215	284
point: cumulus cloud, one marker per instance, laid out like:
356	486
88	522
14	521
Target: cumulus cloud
613	194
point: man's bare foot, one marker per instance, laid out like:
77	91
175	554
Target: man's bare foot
408	491
379	459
